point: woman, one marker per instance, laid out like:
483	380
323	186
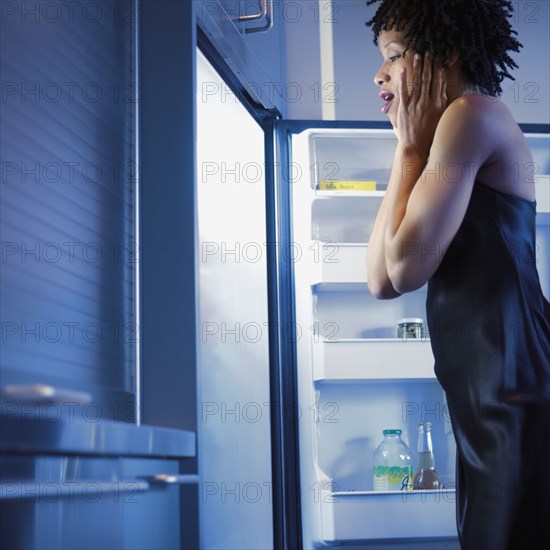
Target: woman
459	213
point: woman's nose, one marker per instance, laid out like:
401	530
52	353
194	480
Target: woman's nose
381	76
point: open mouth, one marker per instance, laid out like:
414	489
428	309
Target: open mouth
387	98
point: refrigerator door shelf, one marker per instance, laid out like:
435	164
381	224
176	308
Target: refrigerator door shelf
373	360
339	263
349	154
362	515
542	193
343	217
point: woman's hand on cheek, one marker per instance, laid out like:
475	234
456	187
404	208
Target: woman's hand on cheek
422	101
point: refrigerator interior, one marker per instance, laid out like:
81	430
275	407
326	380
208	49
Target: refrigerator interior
355	377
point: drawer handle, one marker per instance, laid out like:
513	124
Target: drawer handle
172	479
41	393
52	491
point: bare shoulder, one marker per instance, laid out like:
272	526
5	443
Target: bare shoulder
485	129
485	115
468	131
482	111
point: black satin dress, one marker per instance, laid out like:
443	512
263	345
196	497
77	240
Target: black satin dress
489	326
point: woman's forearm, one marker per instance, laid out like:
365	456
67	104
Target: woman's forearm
406	171
385	250
377	275
379	282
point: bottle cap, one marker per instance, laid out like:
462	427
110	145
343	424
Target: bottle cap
411	320
391	432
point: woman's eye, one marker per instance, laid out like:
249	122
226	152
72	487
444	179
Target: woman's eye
394	58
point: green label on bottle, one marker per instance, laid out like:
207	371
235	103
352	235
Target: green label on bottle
392	478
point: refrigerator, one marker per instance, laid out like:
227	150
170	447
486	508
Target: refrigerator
300	368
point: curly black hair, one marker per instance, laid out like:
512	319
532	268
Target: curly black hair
478	30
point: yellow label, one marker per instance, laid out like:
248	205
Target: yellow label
347	185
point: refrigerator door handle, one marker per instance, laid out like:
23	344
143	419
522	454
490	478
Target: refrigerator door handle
51	491
266	10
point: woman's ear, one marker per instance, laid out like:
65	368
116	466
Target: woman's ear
452	60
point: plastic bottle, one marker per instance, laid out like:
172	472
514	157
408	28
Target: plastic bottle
425	477
392	464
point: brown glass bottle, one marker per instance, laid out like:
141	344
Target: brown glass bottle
426	476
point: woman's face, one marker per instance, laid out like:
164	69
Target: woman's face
392	47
